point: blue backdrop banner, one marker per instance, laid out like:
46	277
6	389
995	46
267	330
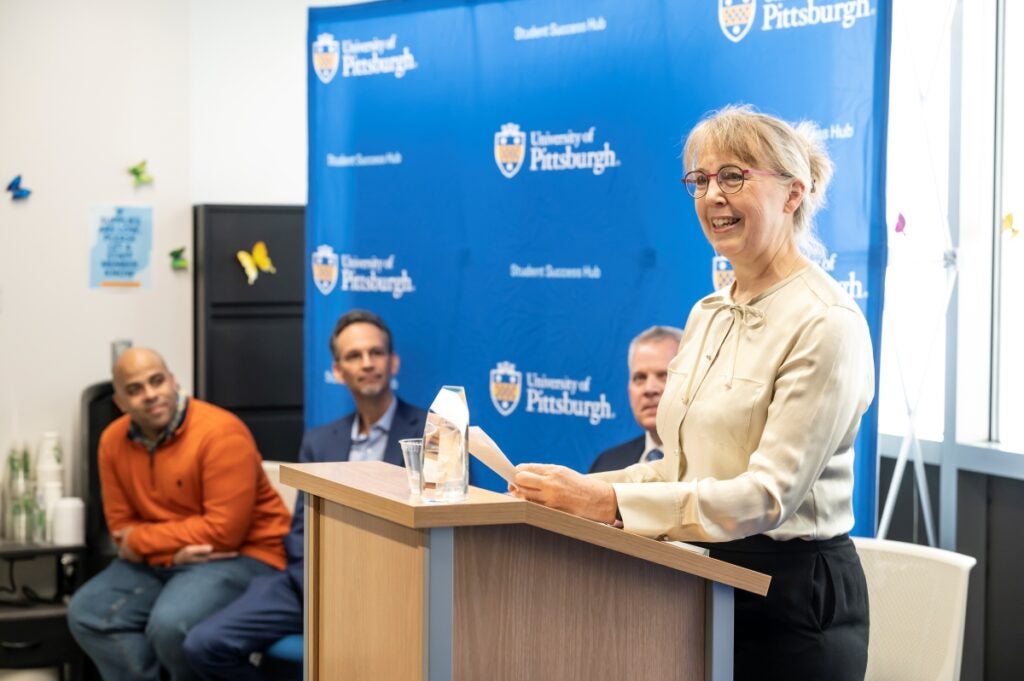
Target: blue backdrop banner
500	181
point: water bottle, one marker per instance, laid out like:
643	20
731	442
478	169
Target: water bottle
24	520
10	482
20	498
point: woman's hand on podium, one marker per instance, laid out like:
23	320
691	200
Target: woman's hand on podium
566	490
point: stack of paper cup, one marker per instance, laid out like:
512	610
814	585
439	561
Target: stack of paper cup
50	473
49	493
49	453
69	521
49	461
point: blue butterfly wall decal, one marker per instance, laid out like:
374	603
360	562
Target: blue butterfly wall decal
17	191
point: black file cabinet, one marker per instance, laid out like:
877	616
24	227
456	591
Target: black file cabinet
33	627
260	382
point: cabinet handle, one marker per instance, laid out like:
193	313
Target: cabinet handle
19	645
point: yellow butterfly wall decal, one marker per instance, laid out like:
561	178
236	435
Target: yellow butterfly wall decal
1008	225
256	262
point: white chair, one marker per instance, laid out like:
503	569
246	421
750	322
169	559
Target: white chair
288	494
918	597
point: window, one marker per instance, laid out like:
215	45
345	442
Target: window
917	199
1010	422
956	176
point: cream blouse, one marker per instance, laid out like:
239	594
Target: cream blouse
758	417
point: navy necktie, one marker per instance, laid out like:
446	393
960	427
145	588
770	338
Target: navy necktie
654	455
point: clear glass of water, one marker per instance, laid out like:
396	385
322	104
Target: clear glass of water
412	453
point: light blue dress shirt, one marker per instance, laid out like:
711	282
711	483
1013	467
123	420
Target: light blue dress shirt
370	447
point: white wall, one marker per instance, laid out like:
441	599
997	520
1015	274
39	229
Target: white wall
248	106
212	94
247	82
88	89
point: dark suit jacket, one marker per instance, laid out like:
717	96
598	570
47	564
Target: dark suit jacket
626	454
332	442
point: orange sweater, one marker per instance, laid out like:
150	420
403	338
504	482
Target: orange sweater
204	486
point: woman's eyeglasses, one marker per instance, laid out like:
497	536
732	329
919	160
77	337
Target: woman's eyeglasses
730	179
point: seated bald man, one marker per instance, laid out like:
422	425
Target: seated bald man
193	515
648	358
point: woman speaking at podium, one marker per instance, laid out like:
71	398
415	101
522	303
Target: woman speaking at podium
760	410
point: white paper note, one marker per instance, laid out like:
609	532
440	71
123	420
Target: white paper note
489	453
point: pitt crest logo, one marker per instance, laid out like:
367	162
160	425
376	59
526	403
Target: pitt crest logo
325	268
326	56
509	152
736	17
506	387
722	273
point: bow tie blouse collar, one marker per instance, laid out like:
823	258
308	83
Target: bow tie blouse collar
743	315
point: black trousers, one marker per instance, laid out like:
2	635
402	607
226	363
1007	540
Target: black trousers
813	624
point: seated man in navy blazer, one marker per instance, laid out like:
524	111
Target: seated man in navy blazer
648	358
272	607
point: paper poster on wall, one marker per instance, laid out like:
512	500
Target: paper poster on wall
122	243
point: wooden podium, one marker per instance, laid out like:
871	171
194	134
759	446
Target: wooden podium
498	588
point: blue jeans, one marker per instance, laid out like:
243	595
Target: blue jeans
132	618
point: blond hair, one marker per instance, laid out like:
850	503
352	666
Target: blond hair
796	152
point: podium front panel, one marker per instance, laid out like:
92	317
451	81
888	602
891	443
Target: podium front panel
530	604
370	581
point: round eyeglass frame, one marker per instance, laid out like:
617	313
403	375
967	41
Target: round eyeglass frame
728	186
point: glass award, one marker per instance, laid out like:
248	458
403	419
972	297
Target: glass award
445	447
